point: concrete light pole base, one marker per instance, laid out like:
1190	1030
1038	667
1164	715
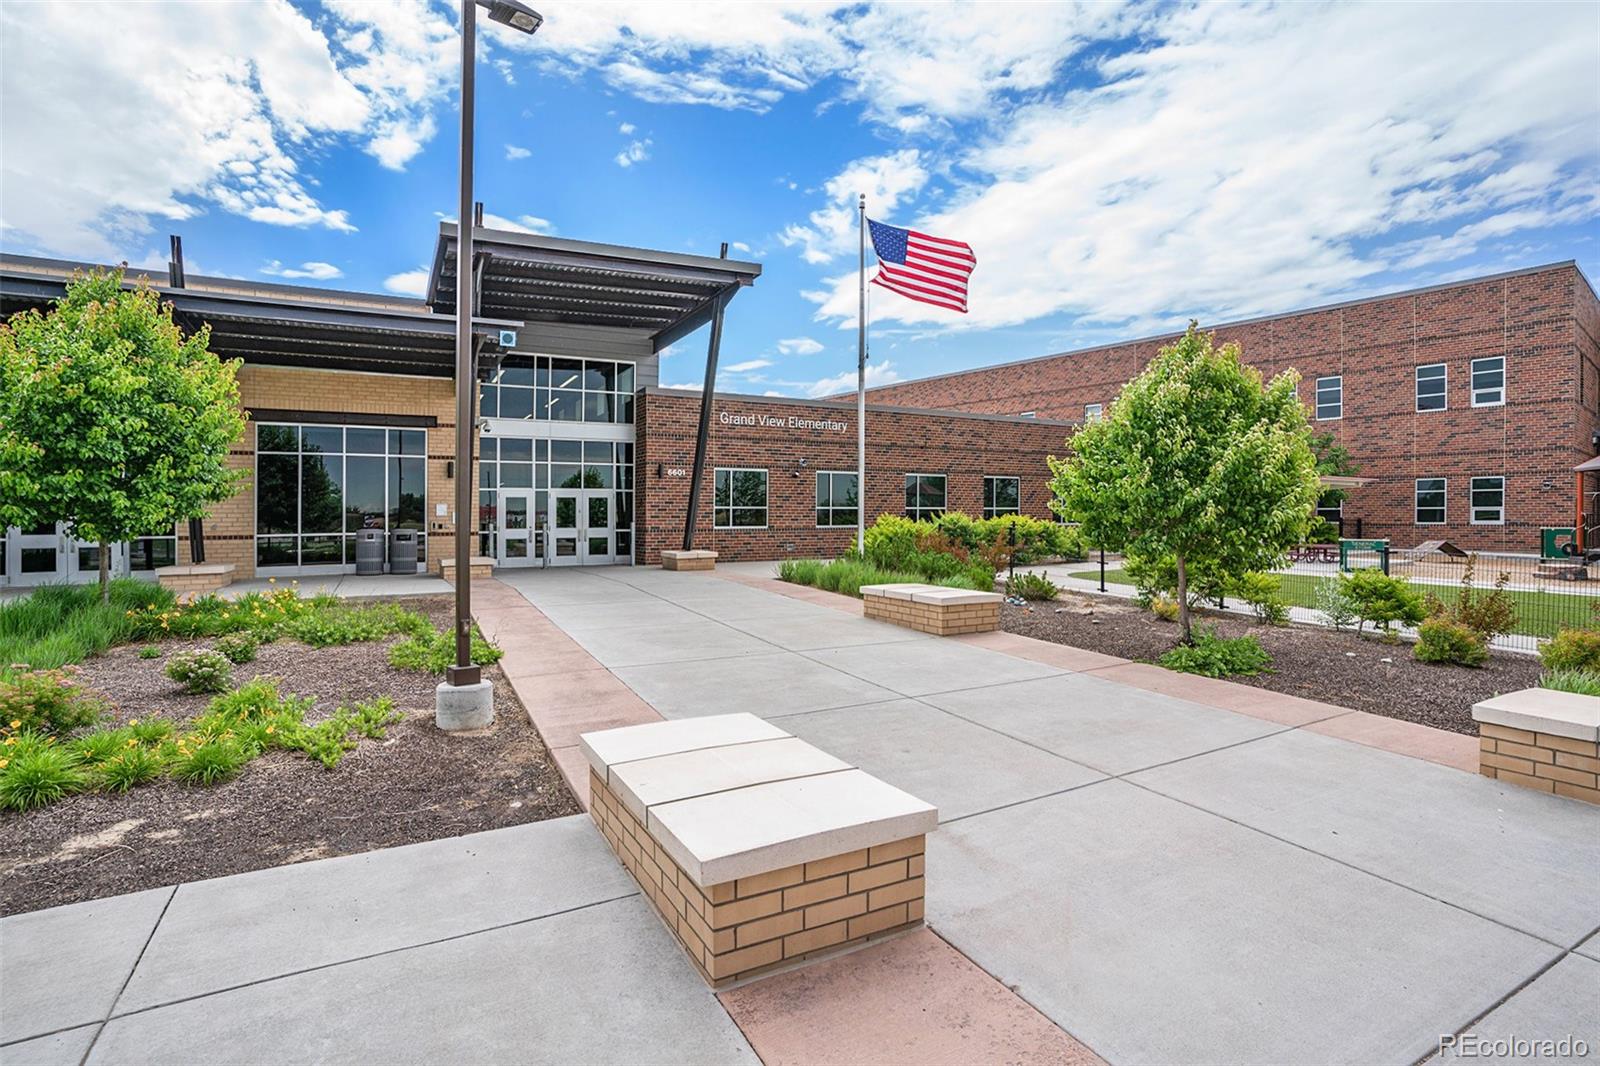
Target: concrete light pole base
462	707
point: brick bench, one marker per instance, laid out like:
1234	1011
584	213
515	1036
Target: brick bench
757	850
196	579
935	609
698	559
1542	739
479	567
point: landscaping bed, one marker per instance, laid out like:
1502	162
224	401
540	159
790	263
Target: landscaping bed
1364	674
413	784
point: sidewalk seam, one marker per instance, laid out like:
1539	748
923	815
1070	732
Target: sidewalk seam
111	1012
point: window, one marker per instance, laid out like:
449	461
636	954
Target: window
1029	414
1001	495
1489	381
741	499
836	498
1330	507
1488	501
524	463
1091	412
553	388
924	495
1330	398
1430	501
318	485
1431	382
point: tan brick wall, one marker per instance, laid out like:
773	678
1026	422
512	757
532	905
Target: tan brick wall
942	620
1540	761
670	561
231	526
739	929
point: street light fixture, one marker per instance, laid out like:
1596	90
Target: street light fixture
465	700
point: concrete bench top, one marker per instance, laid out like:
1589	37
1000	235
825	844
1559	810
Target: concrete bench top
733	796
1543	710
939	595
692	553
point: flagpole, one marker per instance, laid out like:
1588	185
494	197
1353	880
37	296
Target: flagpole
861	384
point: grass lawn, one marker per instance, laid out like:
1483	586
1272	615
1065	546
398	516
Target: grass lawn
1539	614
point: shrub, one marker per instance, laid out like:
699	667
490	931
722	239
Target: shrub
1322	531
50	702
1441	640
237	647
1333	603
209	761
434	651
1031	586
1488	614
1583	682
1572	649
149	651
150	730
95	748
39	775
1260	591
201	671
56	625
1164	608
847	575
1215	656
1159	577
131	767
255	700
1382	600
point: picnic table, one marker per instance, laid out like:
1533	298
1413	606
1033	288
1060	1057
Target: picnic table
1314	553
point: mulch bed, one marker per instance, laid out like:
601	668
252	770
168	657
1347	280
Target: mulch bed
417	784
1364	674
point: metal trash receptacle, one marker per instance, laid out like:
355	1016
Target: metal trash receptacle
403	551
369	551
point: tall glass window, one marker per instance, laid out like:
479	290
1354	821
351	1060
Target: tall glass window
1430	501
1330	398
1489	381
1431	382
837	503
1001	495
741	498
560	389
1488	501
317	486
925	495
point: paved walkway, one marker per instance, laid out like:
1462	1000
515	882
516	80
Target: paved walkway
1126	868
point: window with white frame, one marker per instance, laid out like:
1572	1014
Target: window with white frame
1431	385
1001	495
1092	411
1330	398
925	495
836	498
1488	501
1431	500
1029	414
741	499
1489	381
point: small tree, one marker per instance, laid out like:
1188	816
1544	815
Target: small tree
1197	460
111	421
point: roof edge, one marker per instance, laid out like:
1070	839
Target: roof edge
848	407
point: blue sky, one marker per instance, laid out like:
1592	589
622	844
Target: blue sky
1118	168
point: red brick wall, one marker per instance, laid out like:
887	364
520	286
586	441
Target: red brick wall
965	449
1545	323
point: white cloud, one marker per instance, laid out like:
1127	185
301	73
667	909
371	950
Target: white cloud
1218	172
748	365
626	129
886	180
521	224
799	346
316	271
408	282
636	152
516	151
877	374
687	386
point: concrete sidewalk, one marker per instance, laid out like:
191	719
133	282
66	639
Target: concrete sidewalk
1163	878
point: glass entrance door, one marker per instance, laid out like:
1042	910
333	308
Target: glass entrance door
566	530
597	527
517	546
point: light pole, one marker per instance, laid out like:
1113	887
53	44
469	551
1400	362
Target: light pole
464	700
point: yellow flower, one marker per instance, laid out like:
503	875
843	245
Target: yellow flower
132	742
4	763
133	721
271	729
16	723
272	581
10	741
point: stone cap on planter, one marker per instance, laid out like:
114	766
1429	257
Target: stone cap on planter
733	796
1543	710
902	590
937	595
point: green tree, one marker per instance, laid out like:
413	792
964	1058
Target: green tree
1198	461
111	421
1333	459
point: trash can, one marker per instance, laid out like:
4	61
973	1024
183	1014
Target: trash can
403	551
369	551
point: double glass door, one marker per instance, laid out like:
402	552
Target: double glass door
558	527
45	554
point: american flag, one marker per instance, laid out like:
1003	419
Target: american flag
933	270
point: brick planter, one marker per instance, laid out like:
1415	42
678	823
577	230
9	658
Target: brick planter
481	566
944	612
198	579
697	559
1542	739
757	850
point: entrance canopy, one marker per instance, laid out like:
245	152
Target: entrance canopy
281	325
530	278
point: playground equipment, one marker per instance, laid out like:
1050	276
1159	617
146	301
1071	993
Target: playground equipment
1585	541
